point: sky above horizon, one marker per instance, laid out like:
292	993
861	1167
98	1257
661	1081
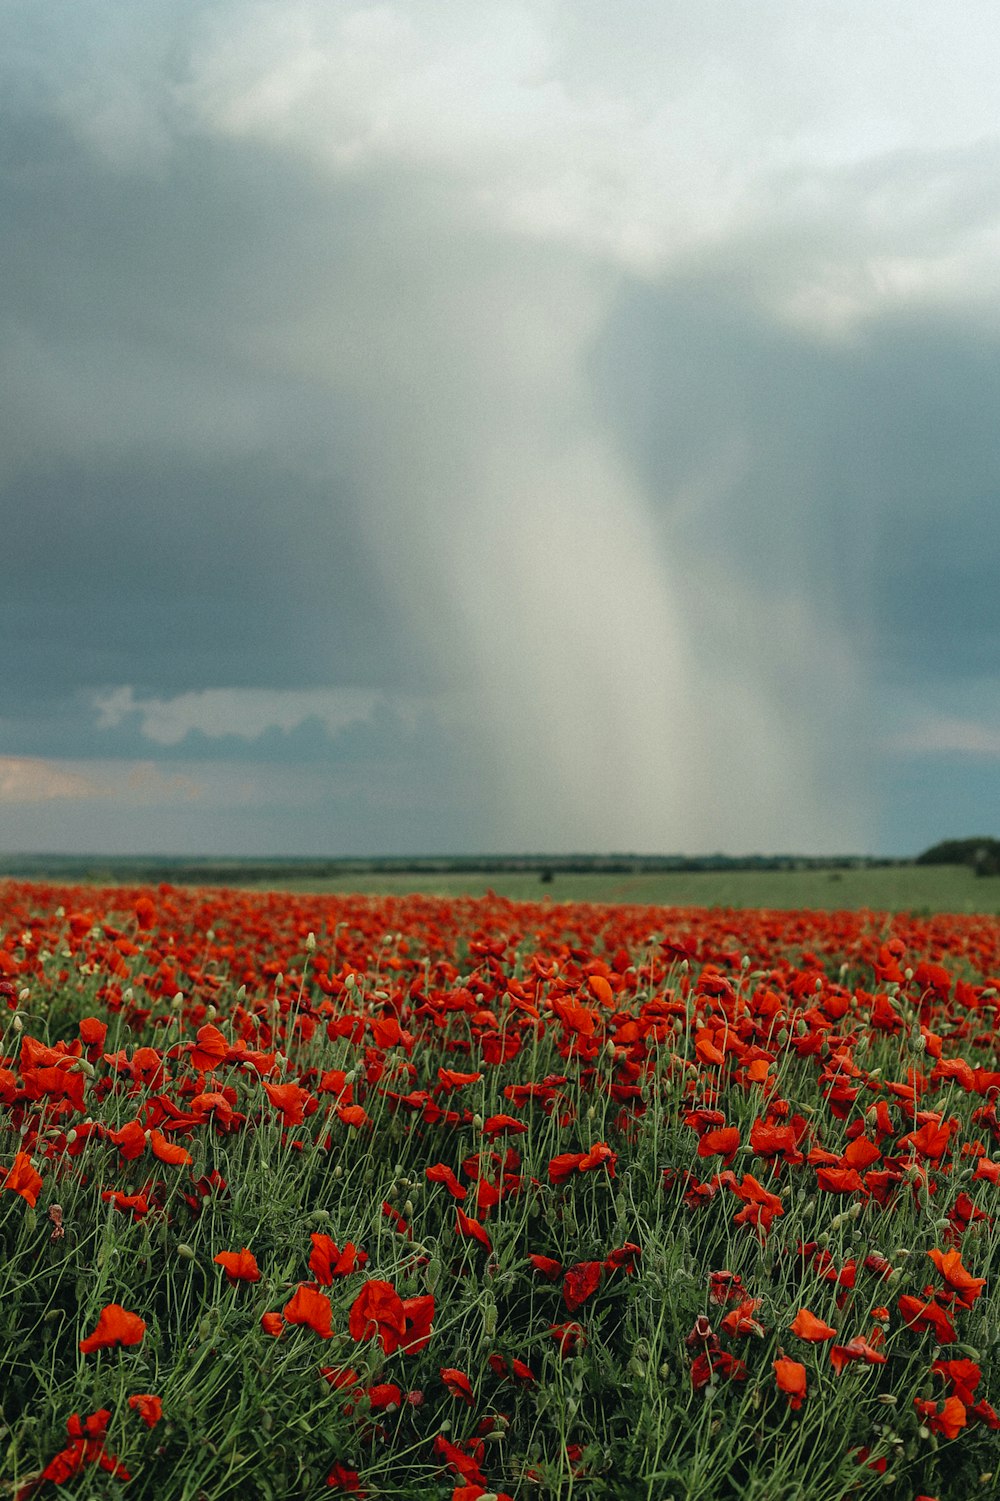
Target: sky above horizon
552	426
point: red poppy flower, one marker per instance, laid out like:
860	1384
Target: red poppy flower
791	1379
716	1363
504	1369
115	1326
440	1172
740	1320
807	1326
500	1125
948	1421
384	1396
723	1142
312	1308
149	1408
623	1258
86	1447
209	1050
725	1287
93	1032
839	1180
239	1266
582	1281
570	1338
921	1315
450	1078
476	1492
458	1384
21	1178
341	1478
966	1287
419	1315
458	1457
855	1349
378	1311
339	1376
294	1102
327	1262
962	1376
546	1267
353	1115
272	1324
470	1229
167	1151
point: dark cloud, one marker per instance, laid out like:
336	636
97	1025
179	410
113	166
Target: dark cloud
297	396
862	475
176	513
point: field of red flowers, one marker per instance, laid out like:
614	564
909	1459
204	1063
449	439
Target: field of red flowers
413	1198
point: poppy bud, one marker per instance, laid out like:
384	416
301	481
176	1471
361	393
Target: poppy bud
185	1252
18	1024
241	994
310	942
490	1318
178	1001
211	1012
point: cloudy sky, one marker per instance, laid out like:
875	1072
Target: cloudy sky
556	425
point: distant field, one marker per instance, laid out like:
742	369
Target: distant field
921	889
908	888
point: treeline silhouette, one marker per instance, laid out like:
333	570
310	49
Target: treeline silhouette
982	854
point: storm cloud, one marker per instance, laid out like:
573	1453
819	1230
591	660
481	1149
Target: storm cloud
506	427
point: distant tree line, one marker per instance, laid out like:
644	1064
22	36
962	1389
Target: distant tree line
982	854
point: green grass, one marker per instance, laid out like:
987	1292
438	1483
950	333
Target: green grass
902	888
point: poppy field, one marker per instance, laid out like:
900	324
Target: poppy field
461	1199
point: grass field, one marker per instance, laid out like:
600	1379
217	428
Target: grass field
902	888
889	888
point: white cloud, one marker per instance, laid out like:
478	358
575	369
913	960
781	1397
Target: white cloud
644	133
246	712
29	779
250	712
939	735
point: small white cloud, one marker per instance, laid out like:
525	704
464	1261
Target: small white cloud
246	712
28	779
939	735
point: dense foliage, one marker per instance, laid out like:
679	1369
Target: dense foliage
982	854
412	1198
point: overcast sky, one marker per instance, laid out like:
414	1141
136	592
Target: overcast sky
558	425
